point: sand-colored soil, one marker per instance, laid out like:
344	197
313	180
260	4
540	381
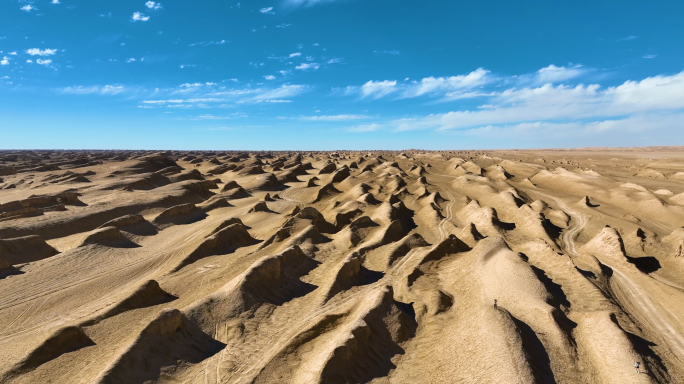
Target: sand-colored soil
347	267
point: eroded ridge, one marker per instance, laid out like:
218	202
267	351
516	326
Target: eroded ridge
342	267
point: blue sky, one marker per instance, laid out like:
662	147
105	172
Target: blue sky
340	74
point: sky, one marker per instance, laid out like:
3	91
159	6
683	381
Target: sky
340	74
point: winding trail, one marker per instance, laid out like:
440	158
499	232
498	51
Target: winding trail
642	305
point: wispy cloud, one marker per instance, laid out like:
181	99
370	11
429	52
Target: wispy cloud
39	52
101	90
335	117
307	66
430	85
28	8
366	128
268	10
207	43
305	3
628	38
649	56
284	92
378	89
553	74
630	104
386	52
213	95
269	77
464	86
4	61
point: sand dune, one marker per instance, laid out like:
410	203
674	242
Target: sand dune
342	267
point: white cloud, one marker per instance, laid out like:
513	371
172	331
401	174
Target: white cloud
334	117
283	92
138	16
195	95
183	101
4	61
464	86
54	2
152	5
38	52
12	53
296	54
28	8
378	89
365	128
649	56
628	38
43	62
553	74
307	66
430	85
130	60
334	61
102	90
269	77
305	3
268	10
631	101
283	25
195	85
29	61
393	52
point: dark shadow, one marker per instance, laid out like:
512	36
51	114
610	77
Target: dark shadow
518	202
537	357
143	228
414	276
606	270
503	225
587	274
645	348
551	229
524	257
648	264
11	271
368	354
287	288
63	341
556	290
147	295
184	219
153	353
564	322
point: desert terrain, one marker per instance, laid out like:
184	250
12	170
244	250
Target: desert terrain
342	267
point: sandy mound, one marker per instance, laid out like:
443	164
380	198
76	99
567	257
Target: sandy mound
25	249
225	241
179	214
63	341
109	237
351	267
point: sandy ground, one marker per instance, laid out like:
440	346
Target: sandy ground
346	267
